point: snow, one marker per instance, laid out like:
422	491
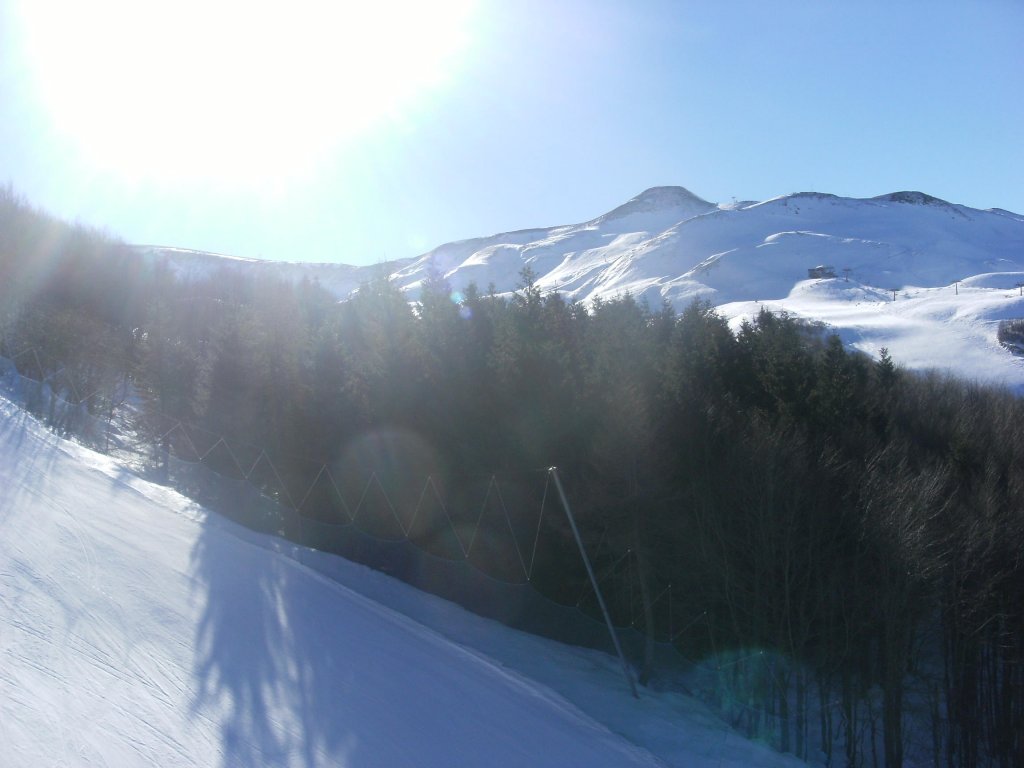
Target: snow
956	268
947	328
137	628
668	244
191	265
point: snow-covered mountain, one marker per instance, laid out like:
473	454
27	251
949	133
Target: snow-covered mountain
667	243
926	278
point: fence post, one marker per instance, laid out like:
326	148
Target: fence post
593	581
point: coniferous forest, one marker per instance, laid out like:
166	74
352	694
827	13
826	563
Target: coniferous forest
861	522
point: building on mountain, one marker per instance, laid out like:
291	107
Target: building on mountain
821	271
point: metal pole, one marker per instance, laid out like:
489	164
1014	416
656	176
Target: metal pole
593	580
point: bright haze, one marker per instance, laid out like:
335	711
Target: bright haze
357	133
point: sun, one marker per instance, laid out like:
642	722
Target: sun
233	92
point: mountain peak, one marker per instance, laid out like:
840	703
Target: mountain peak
657	199
912	197
665	197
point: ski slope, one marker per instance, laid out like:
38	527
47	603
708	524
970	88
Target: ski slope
949	329
137	629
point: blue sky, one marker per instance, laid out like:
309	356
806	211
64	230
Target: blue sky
308	136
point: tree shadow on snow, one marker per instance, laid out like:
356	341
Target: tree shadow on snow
265	670
30	452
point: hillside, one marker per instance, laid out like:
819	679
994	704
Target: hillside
666	243
138	629
955	269
339	279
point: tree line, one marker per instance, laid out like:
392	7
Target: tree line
861	525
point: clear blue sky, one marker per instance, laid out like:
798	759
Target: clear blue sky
291	134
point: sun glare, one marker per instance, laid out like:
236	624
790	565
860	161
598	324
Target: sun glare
223	91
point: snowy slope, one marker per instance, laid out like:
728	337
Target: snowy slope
339	279
136	629
667	244
956	268
568	258
941	328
